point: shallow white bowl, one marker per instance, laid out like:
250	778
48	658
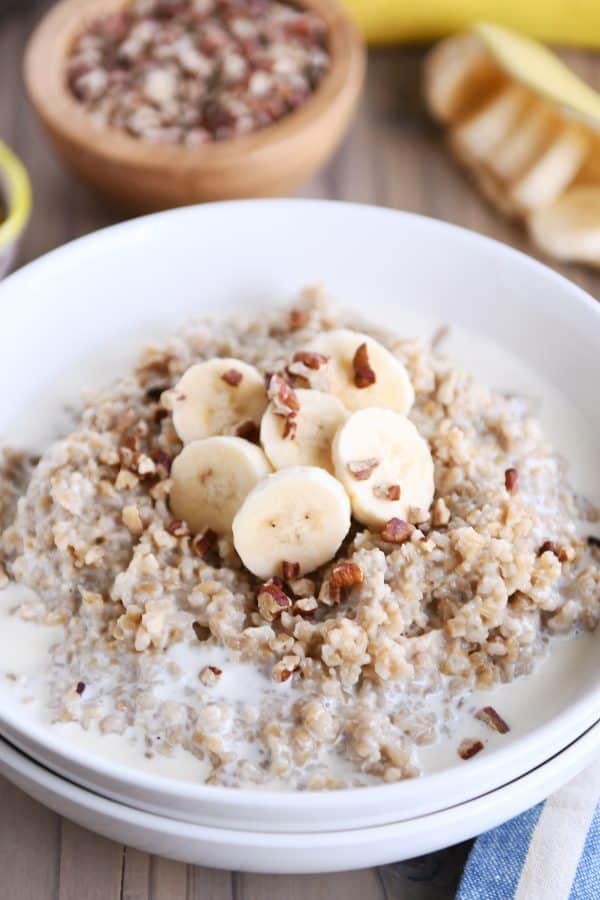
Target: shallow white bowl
71	309
295	853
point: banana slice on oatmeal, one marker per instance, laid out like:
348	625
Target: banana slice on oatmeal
211	479
297	516
217	397
304	438
359	371
384	464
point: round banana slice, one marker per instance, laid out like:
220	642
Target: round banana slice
305	439
299	516
384	464
215	397
211	479
570	228
360	371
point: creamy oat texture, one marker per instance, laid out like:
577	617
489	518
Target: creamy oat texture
472	598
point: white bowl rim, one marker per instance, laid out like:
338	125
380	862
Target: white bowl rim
581	711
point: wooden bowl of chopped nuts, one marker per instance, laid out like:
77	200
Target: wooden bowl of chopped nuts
160	103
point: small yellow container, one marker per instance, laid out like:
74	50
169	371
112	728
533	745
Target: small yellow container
15	193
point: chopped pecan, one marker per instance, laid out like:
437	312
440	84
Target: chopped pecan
362	469
290	426
202	632
202	543
387	491
178	528
249	431
511	480
285	668
210	675
283	395
299	318
291	570
397	531
272	600
493	719
364	376
345	574
469	748
232	377
163	463
548	547
80	687
309	359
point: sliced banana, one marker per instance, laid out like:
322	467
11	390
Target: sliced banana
570	228
458	75
211	479
308	441
360	371
298	515
474	139
553	171
520	148
216	397
384	464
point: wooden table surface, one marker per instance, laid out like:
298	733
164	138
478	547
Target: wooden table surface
393	156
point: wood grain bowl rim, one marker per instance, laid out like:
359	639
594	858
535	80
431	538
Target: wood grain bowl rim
44	73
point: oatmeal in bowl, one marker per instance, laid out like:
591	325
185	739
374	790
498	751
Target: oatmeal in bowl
293	545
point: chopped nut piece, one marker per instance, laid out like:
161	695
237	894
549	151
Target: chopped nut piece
80	687
309	359
178	528
491	718
249	431
146	466
392	492
362	469
202	543
306	605
210	675
469	748
272	600
285	668
299	318
202	632
132	519
283	395
548	547
364	376
345	574
232	377
397	531
291	570
440	514
162	462
303	587
126	480
511	480
290	427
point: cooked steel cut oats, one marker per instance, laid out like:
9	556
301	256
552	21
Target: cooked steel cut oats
466	593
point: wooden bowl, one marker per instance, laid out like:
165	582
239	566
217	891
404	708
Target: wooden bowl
144	177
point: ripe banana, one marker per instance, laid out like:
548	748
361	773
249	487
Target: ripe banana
309	442
211	479
527	129
384	464
299	516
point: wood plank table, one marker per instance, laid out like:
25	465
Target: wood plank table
393	156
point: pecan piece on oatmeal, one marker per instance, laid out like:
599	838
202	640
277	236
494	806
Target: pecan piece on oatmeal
291	570
232	377
364	376
511	480
210	675
202	632
282	394
202	543
249	431
162	463
493	719
178	528
564	554
469	748
397	531
132	520
362	469
272	600
345	574
310	359
285	668
80	688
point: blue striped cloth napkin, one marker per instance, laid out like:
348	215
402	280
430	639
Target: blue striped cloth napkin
550	852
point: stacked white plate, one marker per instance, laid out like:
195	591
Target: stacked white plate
519	327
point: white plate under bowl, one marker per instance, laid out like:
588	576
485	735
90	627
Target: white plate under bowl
527	328
295	853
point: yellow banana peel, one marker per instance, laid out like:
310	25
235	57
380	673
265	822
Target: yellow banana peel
556	21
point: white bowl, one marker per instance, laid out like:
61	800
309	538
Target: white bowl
295	853
73	307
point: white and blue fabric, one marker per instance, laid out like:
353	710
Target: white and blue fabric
550	852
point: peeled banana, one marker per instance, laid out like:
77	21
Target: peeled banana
527	129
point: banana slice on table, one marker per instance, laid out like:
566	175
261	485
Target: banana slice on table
211	479
475	138
522	146
298	515
570	228
360	371
306	439
553	170
215	397
384	464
